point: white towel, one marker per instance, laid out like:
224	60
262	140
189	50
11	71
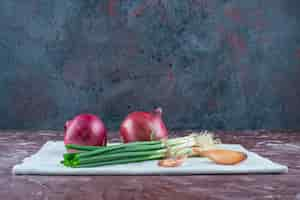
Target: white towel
47	162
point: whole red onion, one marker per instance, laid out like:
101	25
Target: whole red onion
139	126
85	129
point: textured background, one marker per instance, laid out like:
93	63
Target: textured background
213	64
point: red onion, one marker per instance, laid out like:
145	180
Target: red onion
139	126
85	129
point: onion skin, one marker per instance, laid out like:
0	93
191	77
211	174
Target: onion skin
85	129
139	126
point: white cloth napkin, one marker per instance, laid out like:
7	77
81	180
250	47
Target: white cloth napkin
47	162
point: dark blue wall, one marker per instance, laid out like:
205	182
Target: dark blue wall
209	63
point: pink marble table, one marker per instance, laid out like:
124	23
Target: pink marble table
279	146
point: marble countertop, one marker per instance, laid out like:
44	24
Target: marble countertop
280	146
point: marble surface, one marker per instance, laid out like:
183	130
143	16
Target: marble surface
279	146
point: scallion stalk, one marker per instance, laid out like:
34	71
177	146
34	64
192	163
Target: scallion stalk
121	161
134	152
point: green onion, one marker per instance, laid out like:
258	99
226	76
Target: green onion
122	161
117	156
134	152
82	148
